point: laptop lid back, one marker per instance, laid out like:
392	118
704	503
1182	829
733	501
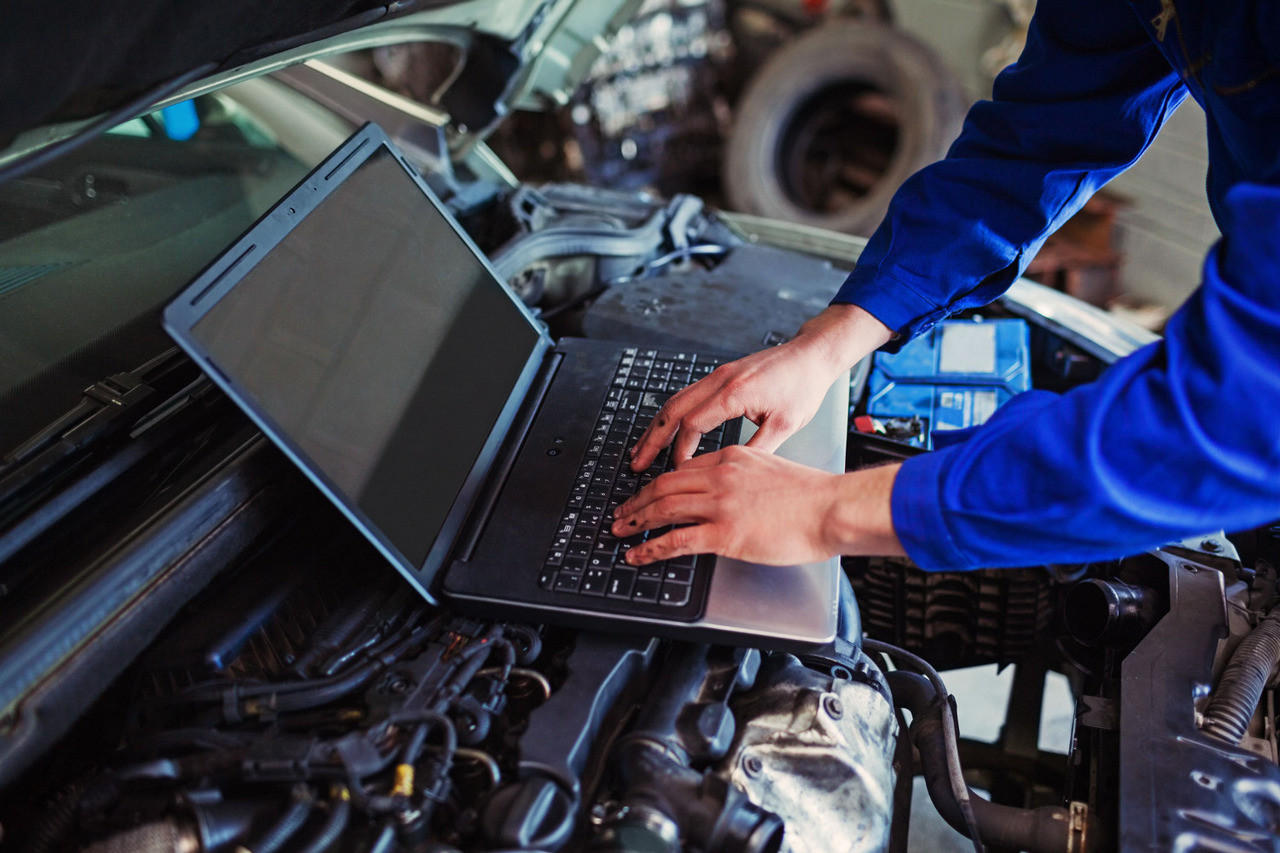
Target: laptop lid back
361	328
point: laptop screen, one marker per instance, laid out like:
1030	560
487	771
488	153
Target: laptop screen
380	344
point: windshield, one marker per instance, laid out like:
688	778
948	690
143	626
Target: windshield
93	244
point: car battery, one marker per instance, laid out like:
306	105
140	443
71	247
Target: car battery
952	377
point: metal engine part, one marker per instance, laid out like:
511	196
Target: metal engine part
953	619
645	115
817	751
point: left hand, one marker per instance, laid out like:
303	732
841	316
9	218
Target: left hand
751	505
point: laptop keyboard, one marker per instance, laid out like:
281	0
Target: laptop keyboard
585	557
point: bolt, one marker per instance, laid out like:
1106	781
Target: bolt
752	765
1210	545
831	704
839	673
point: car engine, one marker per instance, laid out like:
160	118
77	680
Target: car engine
198	654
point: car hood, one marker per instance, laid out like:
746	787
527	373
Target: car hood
64	65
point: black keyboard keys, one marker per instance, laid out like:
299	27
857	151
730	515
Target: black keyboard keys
585	558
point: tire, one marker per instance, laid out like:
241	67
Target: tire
834	122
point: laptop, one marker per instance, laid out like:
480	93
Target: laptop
358	325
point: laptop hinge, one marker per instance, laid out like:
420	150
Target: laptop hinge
488	498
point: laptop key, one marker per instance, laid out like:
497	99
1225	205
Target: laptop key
677	574
567	582
646	590
593	582
620	583
675	594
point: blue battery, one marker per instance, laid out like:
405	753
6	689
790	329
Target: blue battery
953	377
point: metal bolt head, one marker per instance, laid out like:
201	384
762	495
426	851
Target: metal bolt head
752	765
1211	545
832	705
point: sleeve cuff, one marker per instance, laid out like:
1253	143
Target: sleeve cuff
890	300
917	514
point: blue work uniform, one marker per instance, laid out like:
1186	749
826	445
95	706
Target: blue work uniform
1182	436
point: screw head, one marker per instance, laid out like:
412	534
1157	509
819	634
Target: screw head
1211	545
752	765
833	706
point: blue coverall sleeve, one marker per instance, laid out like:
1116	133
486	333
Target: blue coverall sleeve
1179	438
1082	103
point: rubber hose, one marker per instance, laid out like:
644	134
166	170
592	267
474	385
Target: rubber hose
288	824
1043	830
336	630
334	826
572	240
1242	682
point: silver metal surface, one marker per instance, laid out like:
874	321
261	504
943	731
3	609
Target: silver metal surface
818	752
1093	330
783	601
1090	328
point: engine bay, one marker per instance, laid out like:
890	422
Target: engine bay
198	654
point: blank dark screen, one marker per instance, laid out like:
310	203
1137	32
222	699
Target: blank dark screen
380	346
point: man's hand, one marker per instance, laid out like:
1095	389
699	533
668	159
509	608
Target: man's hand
751	505
778	389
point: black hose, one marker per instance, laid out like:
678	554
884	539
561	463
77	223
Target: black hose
331	831
426	720
1041	830
333	634
955	773
299	695
288	824
1243	680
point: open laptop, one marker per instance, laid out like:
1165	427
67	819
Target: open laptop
366	334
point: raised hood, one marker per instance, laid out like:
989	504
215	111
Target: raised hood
64	64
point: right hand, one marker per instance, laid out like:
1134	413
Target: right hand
778	389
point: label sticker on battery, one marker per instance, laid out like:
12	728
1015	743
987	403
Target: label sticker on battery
984	406
968	348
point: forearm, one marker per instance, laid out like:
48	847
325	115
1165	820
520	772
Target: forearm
840	336
858	521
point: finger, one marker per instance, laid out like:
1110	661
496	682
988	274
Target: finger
673	509
685	444
670	483
701	420
698	539
772	432
706	460
664	425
